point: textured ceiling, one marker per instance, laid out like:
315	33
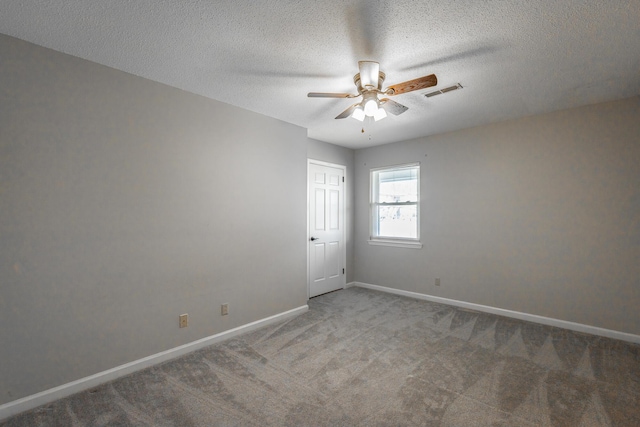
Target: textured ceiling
514	58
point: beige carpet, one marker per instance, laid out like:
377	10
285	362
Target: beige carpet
365	358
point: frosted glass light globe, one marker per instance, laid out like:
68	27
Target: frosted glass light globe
380	114
370	107
358	114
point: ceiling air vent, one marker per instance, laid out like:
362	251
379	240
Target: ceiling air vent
445	90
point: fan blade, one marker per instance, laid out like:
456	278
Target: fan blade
411	85
330	95
346	113
369	71
392	106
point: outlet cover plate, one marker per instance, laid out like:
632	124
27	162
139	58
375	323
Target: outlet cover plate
184	320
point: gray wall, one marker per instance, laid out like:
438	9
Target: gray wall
124	203
318	150
539	215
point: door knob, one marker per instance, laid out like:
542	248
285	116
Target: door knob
314	238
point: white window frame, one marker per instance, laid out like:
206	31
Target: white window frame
374	239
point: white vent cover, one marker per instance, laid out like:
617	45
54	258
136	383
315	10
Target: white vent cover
445	90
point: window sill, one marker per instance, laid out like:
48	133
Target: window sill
396	243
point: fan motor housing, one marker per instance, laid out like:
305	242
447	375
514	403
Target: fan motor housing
356	80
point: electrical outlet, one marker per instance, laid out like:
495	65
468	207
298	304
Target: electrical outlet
437	281
184	320
224	309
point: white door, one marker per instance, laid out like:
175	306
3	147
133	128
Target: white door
326	229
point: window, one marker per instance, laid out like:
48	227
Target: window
395	206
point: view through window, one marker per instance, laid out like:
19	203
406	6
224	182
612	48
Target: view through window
395	202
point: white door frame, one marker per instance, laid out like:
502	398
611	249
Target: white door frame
344	228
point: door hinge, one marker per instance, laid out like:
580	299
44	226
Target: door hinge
343	271
343	179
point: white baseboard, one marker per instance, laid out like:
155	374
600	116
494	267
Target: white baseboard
578	327
26	403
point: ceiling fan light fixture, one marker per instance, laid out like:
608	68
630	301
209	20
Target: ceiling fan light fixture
380	114
370	106
358	114
369	83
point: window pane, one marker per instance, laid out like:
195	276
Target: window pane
398	221
400	185
394	202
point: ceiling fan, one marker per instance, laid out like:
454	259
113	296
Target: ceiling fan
369	85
